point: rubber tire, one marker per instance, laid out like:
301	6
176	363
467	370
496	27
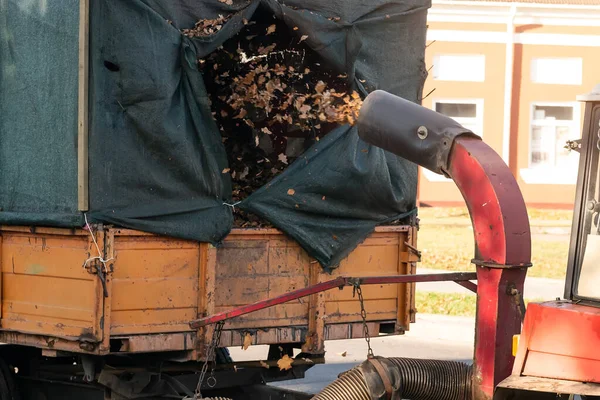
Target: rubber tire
222	356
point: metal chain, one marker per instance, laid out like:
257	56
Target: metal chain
363	314
211	381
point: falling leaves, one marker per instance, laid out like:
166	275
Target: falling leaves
272	99
291	192
247	341
285	363
226	170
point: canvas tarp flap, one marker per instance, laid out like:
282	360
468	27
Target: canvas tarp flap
38	112
156	155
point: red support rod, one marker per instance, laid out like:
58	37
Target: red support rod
339	282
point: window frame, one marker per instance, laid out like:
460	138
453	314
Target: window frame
435	62
550	174
479	119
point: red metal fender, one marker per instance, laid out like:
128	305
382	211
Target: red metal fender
502	255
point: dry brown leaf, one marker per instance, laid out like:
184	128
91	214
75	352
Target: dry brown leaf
242	114
224	113
323	198
228	2
303	38
264	364
245	21
295	28
344	354
271	29
291	192
247	341
226	170
320	87
283	158
285	363
266	130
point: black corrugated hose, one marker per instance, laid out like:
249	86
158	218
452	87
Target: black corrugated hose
409	378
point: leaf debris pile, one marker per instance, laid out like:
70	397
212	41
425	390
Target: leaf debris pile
272	98
206	27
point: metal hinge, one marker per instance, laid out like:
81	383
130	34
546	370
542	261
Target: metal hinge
414	250
96	267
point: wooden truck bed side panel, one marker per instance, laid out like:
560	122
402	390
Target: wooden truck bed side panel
45	289
251	267
377	255
154	284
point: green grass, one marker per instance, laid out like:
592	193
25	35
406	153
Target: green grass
454	304
452	247
428	213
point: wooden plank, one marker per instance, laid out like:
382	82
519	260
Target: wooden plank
83	103
106	324
1	294
210	302
412	239
403	318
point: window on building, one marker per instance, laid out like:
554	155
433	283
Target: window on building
459	67
549	162
557	71
551	127
468	113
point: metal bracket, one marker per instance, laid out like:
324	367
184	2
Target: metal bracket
512	290
89	368
487	264
414	250
95	267
573	145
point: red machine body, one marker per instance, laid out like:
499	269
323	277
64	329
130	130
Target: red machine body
560	340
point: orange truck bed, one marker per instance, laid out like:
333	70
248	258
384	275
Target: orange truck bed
155	285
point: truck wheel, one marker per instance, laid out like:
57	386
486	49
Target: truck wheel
8	386
222	356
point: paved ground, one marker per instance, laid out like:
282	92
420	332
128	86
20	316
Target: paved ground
535	288
433	336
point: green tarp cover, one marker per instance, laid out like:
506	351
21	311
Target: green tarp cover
38	112
155	153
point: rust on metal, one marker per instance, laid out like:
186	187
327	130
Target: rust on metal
339	282
381	371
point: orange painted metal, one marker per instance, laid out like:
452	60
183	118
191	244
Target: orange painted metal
156	285
560	340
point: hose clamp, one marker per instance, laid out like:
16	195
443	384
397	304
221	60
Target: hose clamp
384	378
